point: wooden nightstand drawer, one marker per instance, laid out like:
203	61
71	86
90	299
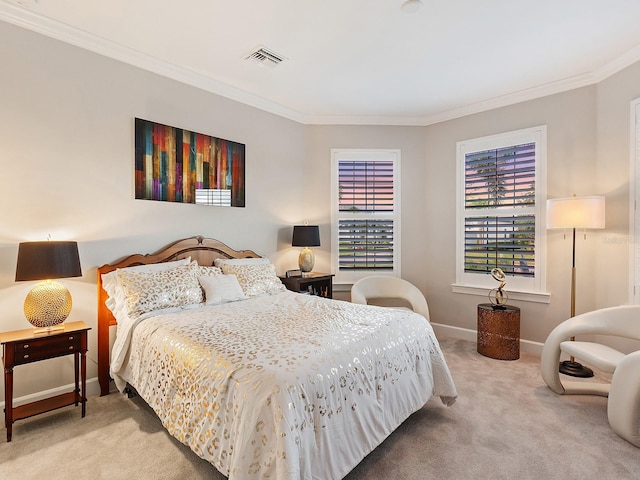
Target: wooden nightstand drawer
47	347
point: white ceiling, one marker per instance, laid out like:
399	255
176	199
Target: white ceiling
356	61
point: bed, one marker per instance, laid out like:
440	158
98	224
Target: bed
260	381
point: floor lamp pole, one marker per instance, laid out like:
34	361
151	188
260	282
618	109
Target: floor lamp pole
571	367
573	275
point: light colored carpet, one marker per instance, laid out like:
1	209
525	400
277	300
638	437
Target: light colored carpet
506	424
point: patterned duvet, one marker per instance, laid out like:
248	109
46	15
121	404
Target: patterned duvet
285	386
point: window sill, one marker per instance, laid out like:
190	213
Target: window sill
537	297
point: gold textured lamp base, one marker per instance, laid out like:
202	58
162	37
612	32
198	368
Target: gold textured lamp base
47	305
306	260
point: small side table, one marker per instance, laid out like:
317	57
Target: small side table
499	331
23	346
320	284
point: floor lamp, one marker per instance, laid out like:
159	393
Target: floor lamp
575	212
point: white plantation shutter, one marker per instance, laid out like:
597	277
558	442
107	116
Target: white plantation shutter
501	184
365	185
501	201
365	244
634	227
365	213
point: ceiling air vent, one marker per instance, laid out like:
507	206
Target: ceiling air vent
265	57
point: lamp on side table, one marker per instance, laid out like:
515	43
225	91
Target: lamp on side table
48	304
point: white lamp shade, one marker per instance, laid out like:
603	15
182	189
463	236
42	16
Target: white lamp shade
576	212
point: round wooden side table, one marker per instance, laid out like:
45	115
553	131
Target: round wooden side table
499	331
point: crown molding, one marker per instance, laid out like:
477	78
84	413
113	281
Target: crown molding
381	120
30	20
463	111
511	98
620	63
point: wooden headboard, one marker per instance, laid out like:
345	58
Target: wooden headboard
204	250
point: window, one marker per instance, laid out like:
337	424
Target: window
634	220
501	205
365	214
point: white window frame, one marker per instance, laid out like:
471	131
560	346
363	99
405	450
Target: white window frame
349	277
519	288
634	194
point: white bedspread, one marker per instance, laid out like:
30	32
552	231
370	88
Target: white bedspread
286	386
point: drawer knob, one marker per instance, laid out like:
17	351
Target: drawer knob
71	338
26	356
26	345
71	347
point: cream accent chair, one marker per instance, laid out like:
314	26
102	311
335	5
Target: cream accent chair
383	287
623	406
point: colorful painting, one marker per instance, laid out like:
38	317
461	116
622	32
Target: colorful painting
176	165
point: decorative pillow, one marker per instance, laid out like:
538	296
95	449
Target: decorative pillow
110	280
255	278
149	291
111	283
208	271
221	289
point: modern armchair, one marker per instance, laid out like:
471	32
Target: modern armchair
623	406
383	287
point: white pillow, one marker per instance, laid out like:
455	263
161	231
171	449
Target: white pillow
111	282
209	270
156	290
255	278
221	289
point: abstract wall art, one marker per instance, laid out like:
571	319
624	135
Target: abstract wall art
176	165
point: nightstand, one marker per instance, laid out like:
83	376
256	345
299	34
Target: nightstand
23	346
320	284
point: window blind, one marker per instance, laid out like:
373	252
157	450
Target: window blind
365	244
366	206
365	186
499	195
501	177
504	242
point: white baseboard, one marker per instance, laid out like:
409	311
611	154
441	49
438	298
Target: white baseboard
441	330
93	388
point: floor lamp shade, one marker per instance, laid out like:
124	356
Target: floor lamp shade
48	304
306	236
575	213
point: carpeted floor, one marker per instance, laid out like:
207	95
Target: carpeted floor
506	424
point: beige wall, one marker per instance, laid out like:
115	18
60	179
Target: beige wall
66	157
613	172
66	163
571	161
428	198
410	140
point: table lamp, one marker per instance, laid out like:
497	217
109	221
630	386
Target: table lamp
306	236
48	304
575	212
